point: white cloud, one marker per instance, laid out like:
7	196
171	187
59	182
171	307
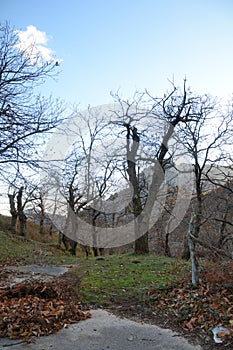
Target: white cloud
33	43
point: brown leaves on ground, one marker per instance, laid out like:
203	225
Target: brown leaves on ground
199	308
38	308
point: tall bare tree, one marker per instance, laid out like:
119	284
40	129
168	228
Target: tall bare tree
205	147
151	128
24	115
84	173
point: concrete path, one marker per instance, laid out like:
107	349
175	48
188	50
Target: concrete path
105	331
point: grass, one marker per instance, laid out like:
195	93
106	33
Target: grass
16	249
135	285
32	249
118	279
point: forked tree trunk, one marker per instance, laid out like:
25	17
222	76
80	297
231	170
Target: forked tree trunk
141	236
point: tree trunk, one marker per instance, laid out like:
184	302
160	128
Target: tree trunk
71	226
167	247
194	229
141	245
95	215
186	251
141	236
73	245
22	217
70	230
13	212
141	232
50	229
60	237
101	250
42	215
65	241
41	224
222	229
95	251
192	248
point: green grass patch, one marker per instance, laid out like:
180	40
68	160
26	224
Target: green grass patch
117	278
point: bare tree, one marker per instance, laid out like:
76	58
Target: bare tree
23	194
38	210
165	115
222	180
205	148
41	206
24	116
224	218
20	210
84	173
13	211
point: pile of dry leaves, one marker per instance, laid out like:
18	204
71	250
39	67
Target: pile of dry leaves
38	308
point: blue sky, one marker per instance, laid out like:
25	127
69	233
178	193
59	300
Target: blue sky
131	45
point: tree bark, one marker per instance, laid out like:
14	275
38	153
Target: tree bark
95	215
192	249
42	214
141	236
71	224
186	251
13	211
167	247
22	217
222	229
